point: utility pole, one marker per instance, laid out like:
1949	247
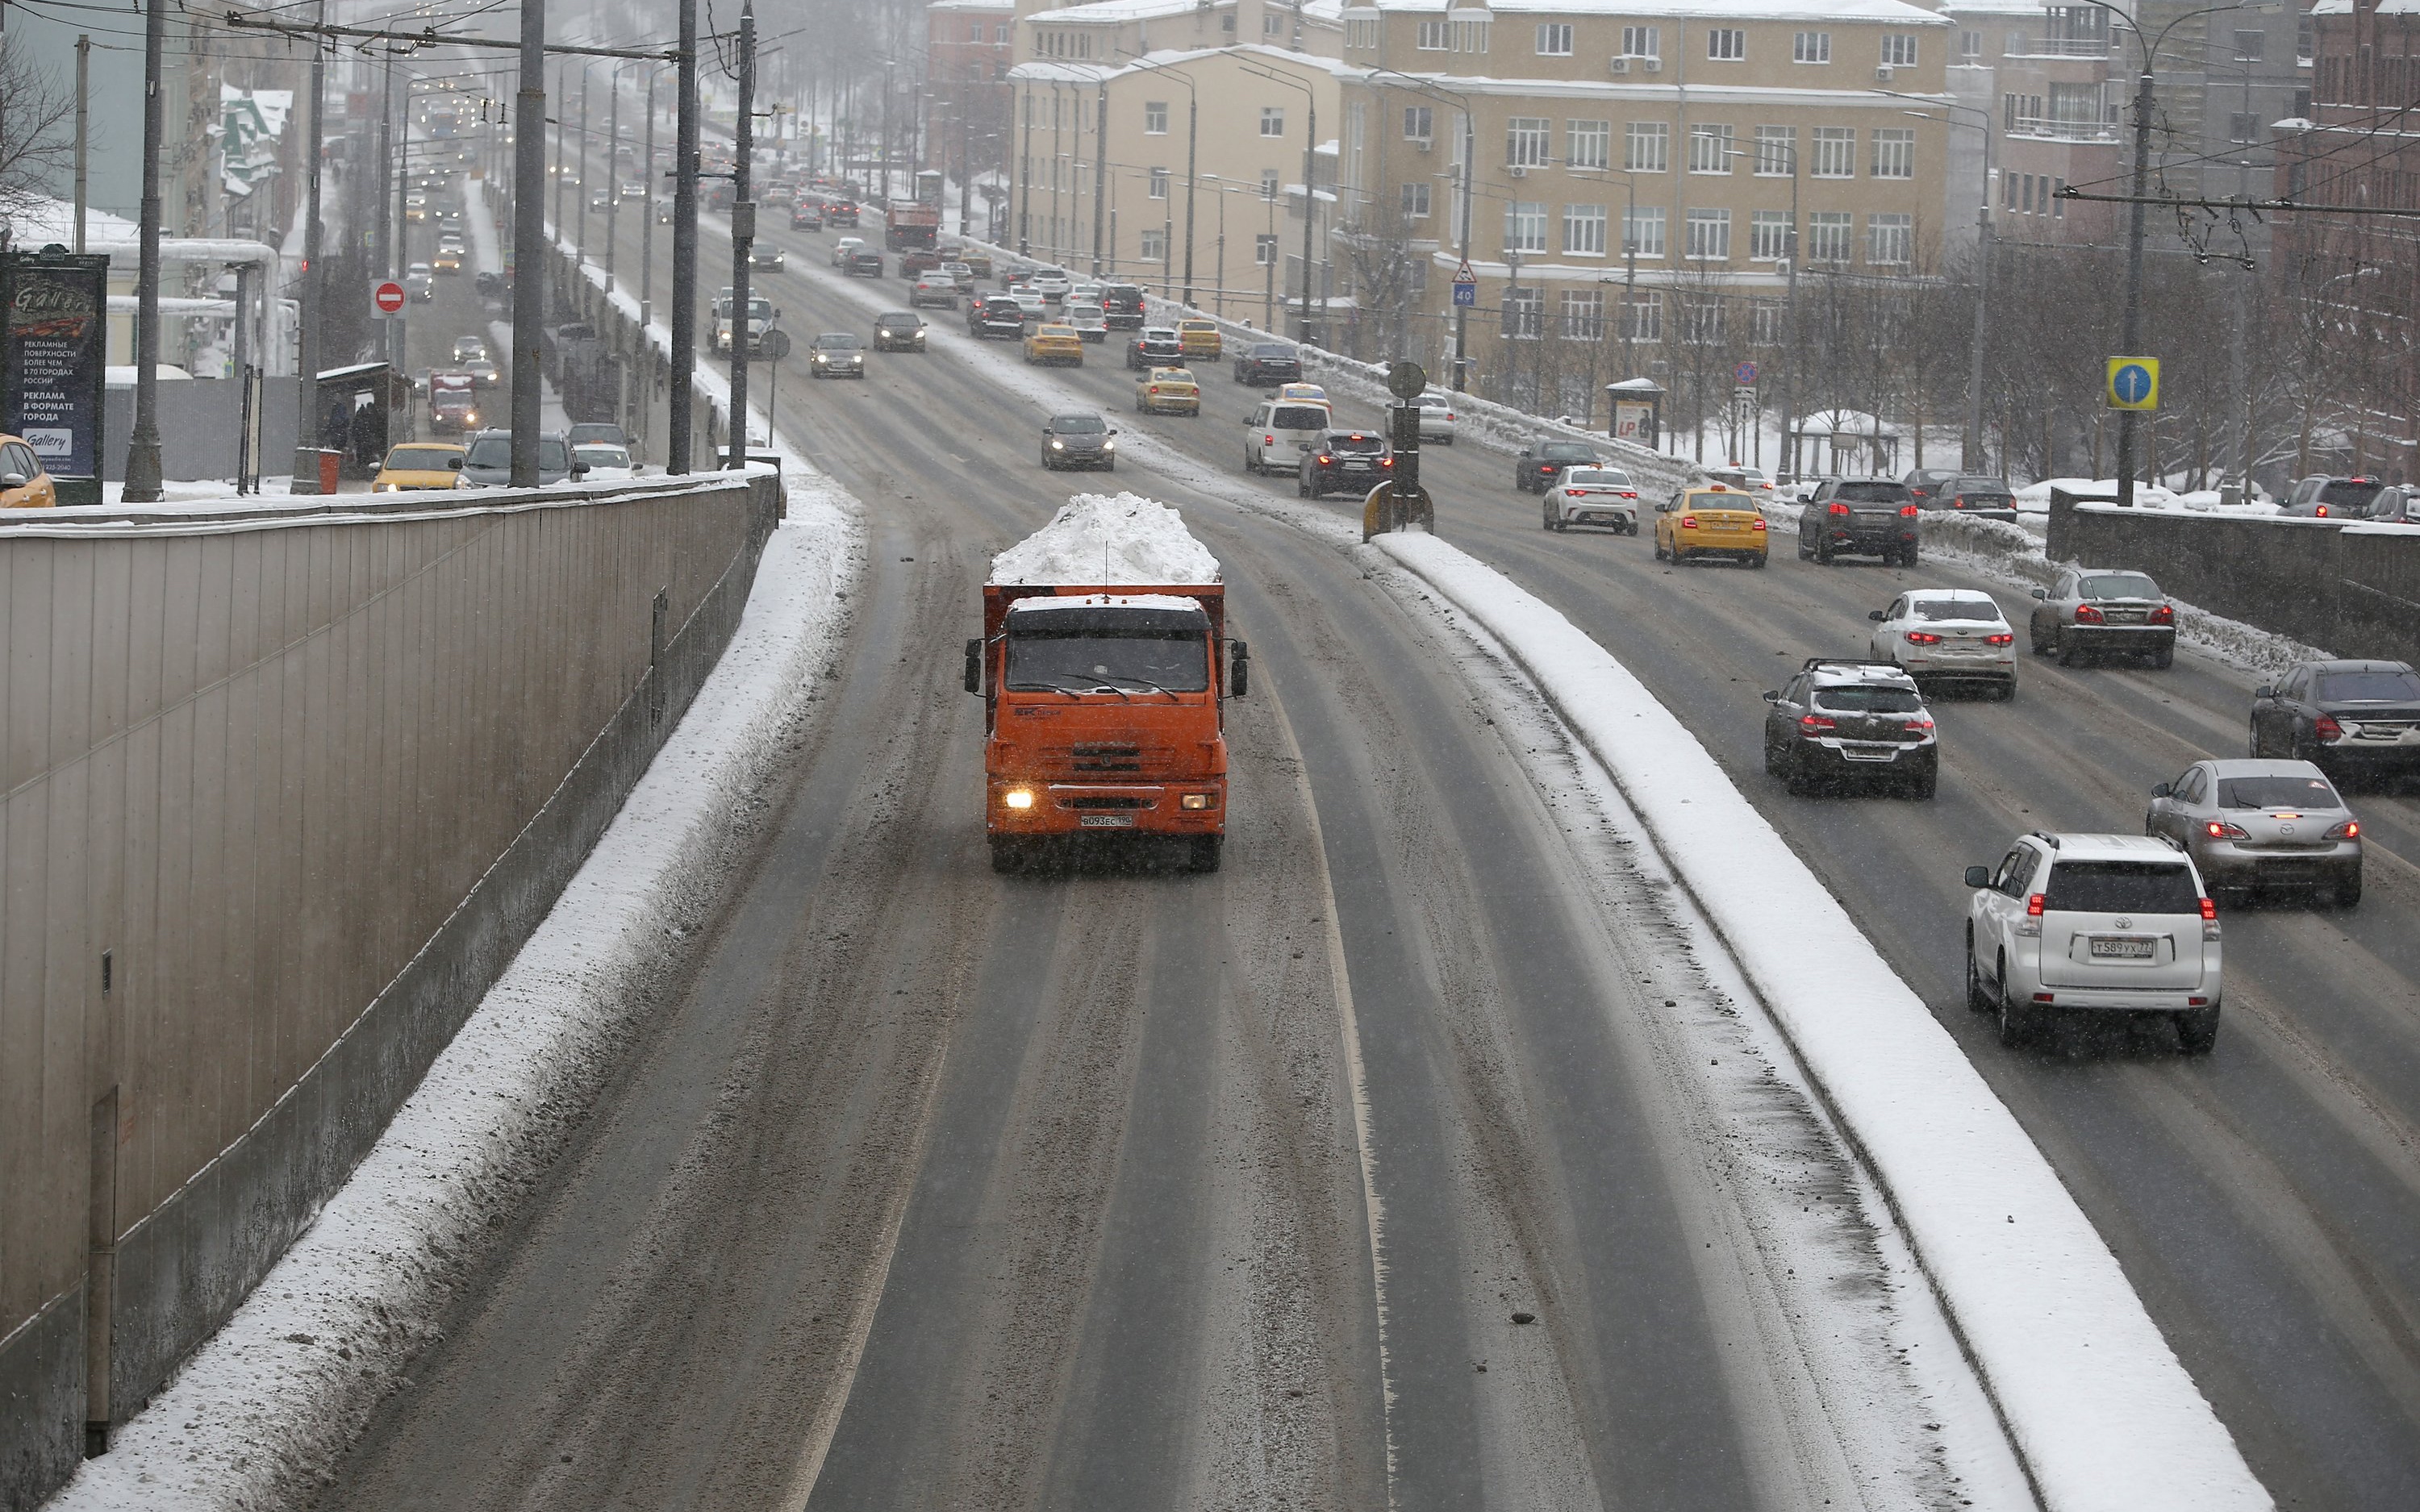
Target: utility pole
1462	312
306	419
143	452
584	194
83	133
743	234
529	241
612	167
1100	164
1310	206
647	213
2131	328
684	246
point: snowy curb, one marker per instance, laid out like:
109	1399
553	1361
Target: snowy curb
255	1418
2102	1412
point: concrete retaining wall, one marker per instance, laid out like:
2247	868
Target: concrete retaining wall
2351	589
280	796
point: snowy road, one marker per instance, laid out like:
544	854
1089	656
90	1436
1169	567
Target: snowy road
938	1188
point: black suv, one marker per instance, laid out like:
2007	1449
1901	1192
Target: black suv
1535	469
2319	498
1268	362
2354	719
1343	461
1859	517
807	215
1122	306
863	263
1158	346
840	212
1841	718
1971	493
994	314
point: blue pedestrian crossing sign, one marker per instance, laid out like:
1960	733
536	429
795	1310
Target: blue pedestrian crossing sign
2133	384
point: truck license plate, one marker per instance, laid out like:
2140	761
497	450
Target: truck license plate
2108	949
1106	821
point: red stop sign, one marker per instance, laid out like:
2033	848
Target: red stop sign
388	296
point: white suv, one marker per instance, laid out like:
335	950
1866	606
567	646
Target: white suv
2105	923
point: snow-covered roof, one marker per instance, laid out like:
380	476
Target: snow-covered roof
1898	13
1044	71
1106	539
972	4
1104	12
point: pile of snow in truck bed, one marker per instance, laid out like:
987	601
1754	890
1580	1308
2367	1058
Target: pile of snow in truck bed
1108	539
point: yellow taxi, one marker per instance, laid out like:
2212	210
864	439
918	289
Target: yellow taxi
449	260
24	483
1168	390
1200	338
1716	521
1054	344
419	465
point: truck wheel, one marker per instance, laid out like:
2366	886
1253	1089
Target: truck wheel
1205	852
2197	1030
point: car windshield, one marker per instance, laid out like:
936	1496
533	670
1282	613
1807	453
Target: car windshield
1435	401
1868	700
2370	687
1299	417
1567	451
1158	334
419	458
2120	887
1171	375
1978	486
2118	585
1871	493
1357	444
489	452
900	320
1126	649
838	341
2348	491
1957	608
1273	354
1607	476
602	457
1078	425
595	433
2276	793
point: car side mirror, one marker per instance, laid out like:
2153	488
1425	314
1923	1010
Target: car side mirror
1239	675
2042	593
1113	430
13	479
579	470
974	666
2264	691
1979	876
453	462
1875	615
2160	790
1772	695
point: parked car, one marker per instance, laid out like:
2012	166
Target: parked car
1592	496
1858	516
1923	483
1948	635
2096	924
1436	417
1343	461
2087	610
2354	719
2250	824
899	330
836	354
1080	440
1841	719
2322	498
1974	494
1154	347
1268	362
1534	470
1716	521
1168	390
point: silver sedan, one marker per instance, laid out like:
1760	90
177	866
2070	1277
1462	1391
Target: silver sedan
2251	824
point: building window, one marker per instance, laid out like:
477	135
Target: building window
1812	47
1764	323
1264	250
1709	236
1701	320
1725	44
1555	38
1525	227
1835	152
1431	37
1590	144
1584	230
1523	313
1642	318
1970	46
1000	34
1525	141
1273	120
2242	126
1268	183
1894	153
978	33
2249	45
1899	50
1415	202
2057	206
1470	34
1155	245
1889	239
1830	237
1768	235
1639	41
1159	183
1647	146
1710	150
1271	22
1418	123
1643	231
1155	118
1583	314
1776	150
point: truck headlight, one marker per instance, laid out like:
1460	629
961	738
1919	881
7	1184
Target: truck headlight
1019	798
1194	800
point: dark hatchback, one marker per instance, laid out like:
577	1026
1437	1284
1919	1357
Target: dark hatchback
863	263
1158	347
995	315
1268	362
1859	517
1535	469
1122	306
1078	440
899	330
2354	719
1972	494
1344	461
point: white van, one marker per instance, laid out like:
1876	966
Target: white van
1279	431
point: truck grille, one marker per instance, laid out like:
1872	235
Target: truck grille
1107	803
1104	758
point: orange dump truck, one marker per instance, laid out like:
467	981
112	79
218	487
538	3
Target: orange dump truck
1104	668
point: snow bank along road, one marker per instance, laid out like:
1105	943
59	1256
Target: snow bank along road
938	1188
2265	1201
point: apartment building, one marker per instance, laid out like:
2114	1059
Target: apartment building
1116	31
1638	163
969	48
1183	159
2052	95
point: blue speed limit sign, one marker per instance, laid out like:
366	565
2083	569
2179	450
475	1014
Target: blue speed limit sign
2133	384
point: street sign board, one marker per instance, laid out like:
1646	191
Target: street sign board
1744	374
1464	275
54	351
1465	288
388	296
2133	384
1406	380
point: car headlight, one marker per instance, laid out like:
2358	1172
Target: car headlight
1058	446
1108	446
386	487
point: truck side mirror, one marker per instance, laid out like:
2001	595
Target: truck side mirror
974	666
1240	669
1979	876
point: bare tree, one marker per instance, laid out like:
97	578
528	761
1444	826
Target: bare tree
36	129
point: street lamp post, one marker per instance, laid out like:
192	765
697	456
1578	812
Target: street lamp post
143	462
306	420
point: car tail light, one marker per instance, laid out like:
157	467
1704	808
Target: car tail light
2209	919
1907	511
2221	829
1629	493
1922	638
1325	459
1689	522
1385	461
2087	614
2030	928
2165	614
1758	525
2000	639
1816	723
2321	510
2350	829
1958	502
2034	906
2326	728
1838	508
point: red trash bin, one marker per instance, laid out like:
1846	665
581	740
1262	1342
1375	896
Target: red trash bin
328	461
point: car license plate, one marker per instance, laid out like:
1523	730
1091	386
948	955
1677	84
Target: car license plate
2120	950
1106	821
1869	753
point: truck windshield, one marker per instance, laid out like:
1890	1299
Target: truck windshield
1081	650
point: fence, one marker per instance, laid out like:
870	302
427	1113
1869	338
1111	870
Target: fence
281	794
